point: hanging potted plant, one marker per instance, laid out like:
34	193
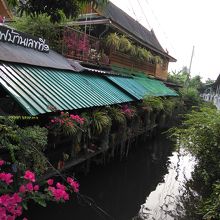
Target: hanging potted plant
100	126
133	50
124	44
155	105
112	41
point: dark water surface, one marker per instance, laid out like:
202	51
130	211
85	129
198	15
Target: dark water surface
122	186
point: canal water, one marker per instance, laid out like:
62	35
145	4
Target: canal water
147	184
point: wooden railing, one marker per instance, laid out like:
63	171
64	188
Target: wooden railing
80	46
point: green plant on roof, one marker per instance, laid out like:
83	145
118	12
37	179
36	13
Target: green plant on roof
112	41
153	103
99	122
124	44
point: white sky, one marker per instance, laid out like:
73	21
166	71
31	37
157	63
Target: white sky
180	24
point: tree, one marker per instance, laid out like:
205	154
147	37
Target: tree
53	8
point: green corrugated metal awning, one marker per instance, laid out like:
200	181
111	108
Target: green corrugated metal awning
39	89
156	87
131	86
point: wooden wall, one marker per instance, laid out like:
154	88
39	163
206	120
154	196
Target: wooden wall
162	70
124	60
158	70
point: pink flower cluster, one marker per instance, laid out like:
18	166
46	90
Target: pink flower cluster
77	118
6	177
29	176
29	187
59	192
10	206
128	111
65	121
74	184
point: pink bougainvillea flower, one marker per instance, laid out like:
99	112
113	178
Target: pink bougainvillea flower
29	176
2	162
36	187
60	186
29	187
74	184
6	177
50	182
22	189
16	198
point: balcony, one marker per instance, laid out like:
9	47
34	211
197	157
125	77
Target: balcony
80	46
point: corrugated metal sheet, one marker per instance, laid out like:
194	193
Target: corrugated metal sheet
38	89
131	86
18	54
156	87
153	87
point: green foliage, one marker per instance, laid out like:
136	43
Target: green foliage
158	60
169	104
54	9
133	50
121	43
99	122
40	26
179	77
124	44
25	145
153	102
112	41
32	144
190	96
117	115
200	135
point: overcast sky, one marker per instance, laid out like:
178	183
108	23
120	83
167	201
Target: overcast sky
180	24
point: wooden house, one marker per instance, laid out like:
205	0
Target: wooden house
110	37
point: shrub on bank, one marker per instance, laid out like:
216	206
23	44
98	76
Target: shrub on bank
200	135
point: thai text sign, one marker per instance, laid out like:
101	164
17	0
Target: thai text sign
15	37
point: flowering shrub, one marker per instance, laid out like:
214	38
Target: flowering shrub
77	43
127	111
66	123
14	195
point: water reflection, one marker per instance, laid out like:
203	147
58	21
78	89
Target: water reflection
121	186
164	201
